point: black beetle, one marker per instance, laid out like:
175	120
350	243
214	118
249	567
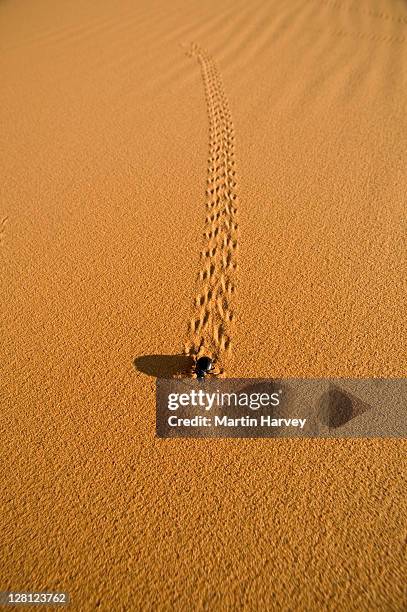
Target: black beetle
202	367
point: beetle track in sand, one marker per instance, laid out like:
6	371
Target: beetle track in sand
3	224
210	330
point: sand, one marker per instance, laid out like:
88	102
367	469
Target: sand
104	260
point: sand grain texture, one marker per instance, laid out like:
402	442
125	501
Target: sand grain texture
105	179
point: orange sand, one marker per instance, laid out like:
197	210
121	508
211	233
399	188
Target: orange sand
104	172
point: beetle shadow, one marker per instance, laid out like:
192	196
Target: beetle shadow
163	366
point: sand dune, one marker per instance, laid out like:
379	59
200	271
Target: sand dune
115	250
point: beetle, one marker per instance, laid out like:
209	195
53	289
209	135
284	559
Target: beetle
202	367
205	366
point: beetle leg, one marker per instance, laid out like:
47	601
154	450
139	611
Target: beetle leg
216	372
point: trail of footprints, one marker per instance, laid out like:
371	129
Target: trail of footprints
210	330
3	224
371	13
